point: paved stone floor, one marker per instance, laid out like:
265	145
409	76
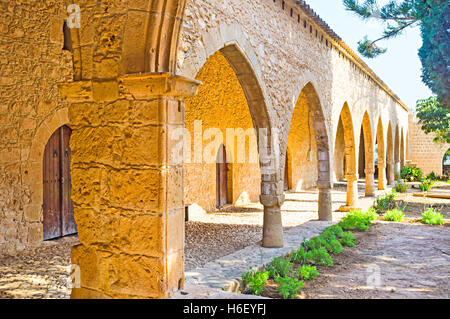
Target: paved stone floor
211	239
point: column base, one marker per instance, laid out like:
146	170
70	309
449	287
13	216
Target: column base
344	208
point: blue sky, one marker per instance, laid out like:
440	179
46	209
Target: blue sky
399	67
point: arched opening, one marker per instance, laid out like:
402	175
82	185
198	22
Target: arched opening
361	155
380	159
390	156
339	153
367	159
308	147
219	118
397	153
350	157
288	171
58	217
446	164
402	150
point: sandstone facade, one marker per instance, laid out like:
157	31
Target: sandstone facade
122	89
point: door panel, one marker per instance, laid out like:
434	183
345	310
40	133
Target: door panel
221	178
52	199
68	222
57	206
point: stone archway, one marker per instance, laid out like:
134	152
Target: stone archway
381	155
34	172
368	151
402	150
397	153
308	143
339	152
390	156
350	158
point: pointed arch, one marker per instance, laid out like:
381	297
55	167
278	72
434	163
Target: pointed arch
381	155
368	154
402	149
350	157
390	155
308	145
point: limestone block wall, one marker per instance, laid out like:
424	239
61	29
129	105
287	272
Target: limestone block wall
31	63
422	151
220	104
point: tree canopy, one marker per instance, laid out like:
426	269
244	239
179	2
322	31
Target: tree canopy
433	16
434	119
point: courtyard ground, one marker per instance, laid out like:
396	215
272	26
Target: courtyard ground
407	253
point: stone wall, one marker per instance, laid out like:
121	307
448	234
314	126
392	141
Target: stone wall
31	63
422	151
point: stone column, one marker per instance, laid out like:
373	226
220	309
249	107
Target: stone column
370	182
390	173
381	176
127	186
352	192
325	202
272	201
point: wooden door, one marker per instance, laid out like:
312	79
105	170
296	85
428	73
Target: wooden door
286	175
221	177
58	207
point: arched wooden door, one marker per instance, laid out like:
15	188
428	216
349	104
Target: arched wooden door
221	177
58	207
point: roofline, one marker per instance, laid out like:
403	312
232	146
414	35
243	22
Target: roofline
345	49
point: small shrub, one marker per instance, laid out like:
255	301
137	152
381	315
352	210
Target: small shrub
426	185
319	257
256	281
394	215
327	236
299	256
288	287
384	202
334	247
401	187
348	239
315	242
411	174
279	267
335	229
432	176
432	217
358	220
307	272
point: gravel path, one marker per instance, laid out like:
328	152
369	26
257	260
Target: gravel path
392	260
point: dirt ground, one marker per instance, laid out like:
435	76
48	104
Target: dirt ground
392	260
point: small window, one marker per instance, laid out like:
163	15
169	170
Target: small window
298	18
67	38
304	23
282	5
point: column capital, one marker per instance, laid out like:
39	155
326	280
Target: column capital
140	86
381	165
151	85
272	200
351	177
369	171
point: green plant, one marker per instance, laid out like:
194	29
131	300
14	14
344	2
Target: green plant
315	242
432	217
426	185
411	174
299	256
319	257
348	239
334	247
384	202
394	215
256	281
358	220
279	267
288	287
307	272
335	229
401	187
432	176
